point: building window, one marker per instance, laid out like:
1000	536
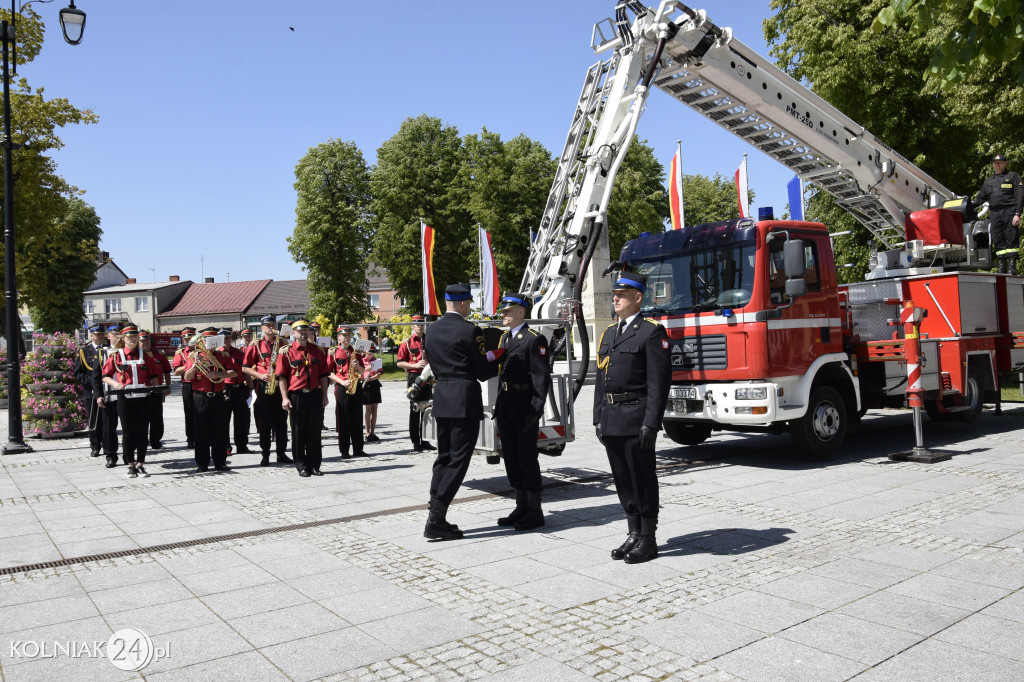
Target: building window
111	305
141	304
374	300
88	307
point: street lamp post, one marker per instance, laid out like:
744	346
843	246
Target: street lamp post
73	24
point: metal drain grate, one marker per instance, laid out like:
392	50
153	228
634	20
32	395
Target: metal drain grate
10	570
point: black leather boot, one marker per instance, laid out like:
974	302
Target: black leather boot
646	548
1001	266
619	553
1011	266
517	513
534	516
437	527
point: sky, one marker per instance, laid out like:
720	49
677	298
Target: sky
206	107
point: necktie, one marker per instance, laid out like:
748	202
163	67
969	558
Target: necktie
622	328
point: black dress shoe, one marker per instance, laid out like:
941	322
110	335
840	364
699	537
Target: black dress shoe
265	462
304	473
361	453
619	553
317	472
111	463
94	453
284	459
441	531
156	446
427	446
645	549
202	470
222	467
418	447
372	438
244	450
190	444
346	455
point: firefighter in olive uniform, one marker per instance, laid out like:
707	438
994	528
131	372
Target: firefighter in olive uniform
459	361
1004	192
524	379
631	390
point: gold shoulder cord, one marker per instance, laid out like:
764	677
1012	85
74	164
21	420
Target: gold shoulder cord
81	354
602	363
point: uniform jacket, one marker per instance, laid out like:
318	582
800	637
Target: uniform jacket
456	350
411	351
257	355
86	361
133	368
637	362
237	356
525	363
301	368
180	359
1001	191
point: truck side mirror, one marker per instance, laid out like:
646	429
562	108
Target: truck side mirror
796	287
795	264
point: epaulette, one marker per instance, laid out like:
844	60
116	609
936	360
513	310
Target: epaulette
534	332
647	319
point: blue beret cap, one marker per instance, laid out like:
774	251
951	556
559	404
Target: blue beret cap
630	280
95	328
457	292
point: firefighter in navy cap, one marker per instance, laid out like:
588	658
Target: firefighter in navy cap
108	403
90	354
412	359
156	400
630	394
238	390
178	363
130	367
259	365
302	376
209	407
1004	192
459	361
524	378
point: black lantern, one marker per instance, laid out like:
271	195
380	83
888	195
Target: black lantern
72	22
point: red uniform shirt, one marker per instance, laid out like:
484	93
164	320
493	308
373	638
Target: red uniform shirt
202	384
302	367
181	360
132	368
165	364
237	359
338	361
257	356
411	350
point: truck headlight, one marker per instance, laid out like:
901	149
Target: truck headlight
752	393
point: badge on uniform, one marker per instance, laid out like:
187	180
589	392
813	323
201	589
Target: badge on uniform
543	350
664	344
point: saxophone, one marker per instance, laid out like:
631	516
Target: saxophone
353	375
272	379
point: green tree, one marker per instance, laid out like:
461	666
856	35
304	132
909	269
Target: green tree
41	202
708	200
639	201
969	35
331	237
507	184
63	259
417	176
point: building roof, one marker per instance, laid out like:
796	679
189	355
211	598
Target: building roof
103	258
217	297
377	279
284	297
138	286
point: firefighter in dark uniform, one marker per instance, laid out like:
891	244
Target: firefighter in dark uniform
411	358
178	365
1004	192
302	377
524	378
631	390
209	406
108	404
89	356
271	419
348	408
459	361
156	400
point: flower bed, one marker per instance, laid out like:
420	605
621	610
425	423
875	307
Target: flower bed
52	398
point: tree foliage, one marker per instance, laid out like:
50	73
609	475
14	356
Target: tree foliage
418	177
63	259
639	201
41	202
707	200
331	236
506	185
969	35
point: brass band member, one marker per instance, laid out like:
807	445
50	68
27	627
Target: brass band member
90	355
271	419
156	400
209	407
302	377
412	359
108	404
348	399
126	368
178	366
238	389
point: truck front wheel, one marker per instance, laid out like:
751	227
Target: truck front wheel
687	434
821	431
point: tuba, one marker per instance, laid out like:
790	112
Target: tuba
204	359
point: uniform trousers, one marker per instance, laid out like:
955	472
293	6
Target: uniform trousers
186	401
156	419
456	440
271	419
209	415
134	416
414	416
636	479
1005	236
108	422
95	422
238	402
307	418
348	419
519	441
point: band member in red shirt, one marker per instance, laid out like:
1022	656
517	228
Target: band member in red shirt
412	359
178	367
209	407
348	408
302	377
156	400
130	367
237	390
259	364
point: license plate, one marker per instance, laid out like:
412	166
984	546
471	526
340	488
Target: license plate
687	392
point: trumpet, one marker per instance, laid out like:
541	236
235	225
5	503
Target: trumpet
204	359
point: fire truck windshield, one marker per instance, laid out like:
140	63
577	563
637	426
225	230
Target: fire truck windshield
693	281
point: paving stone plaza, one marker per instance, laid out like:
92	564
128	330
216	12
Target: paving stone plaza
772	567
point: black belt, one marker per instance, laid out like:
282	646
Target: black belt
612	398
306	390
506	386
209	394
458	376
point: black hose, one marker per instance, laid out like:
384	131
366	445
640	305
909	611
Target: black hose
595	232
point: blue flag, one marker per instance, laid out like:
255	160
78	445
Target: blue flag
796	198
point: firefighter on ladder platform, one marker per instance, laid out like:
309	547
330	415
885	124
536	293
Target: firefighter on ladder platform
1004	193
